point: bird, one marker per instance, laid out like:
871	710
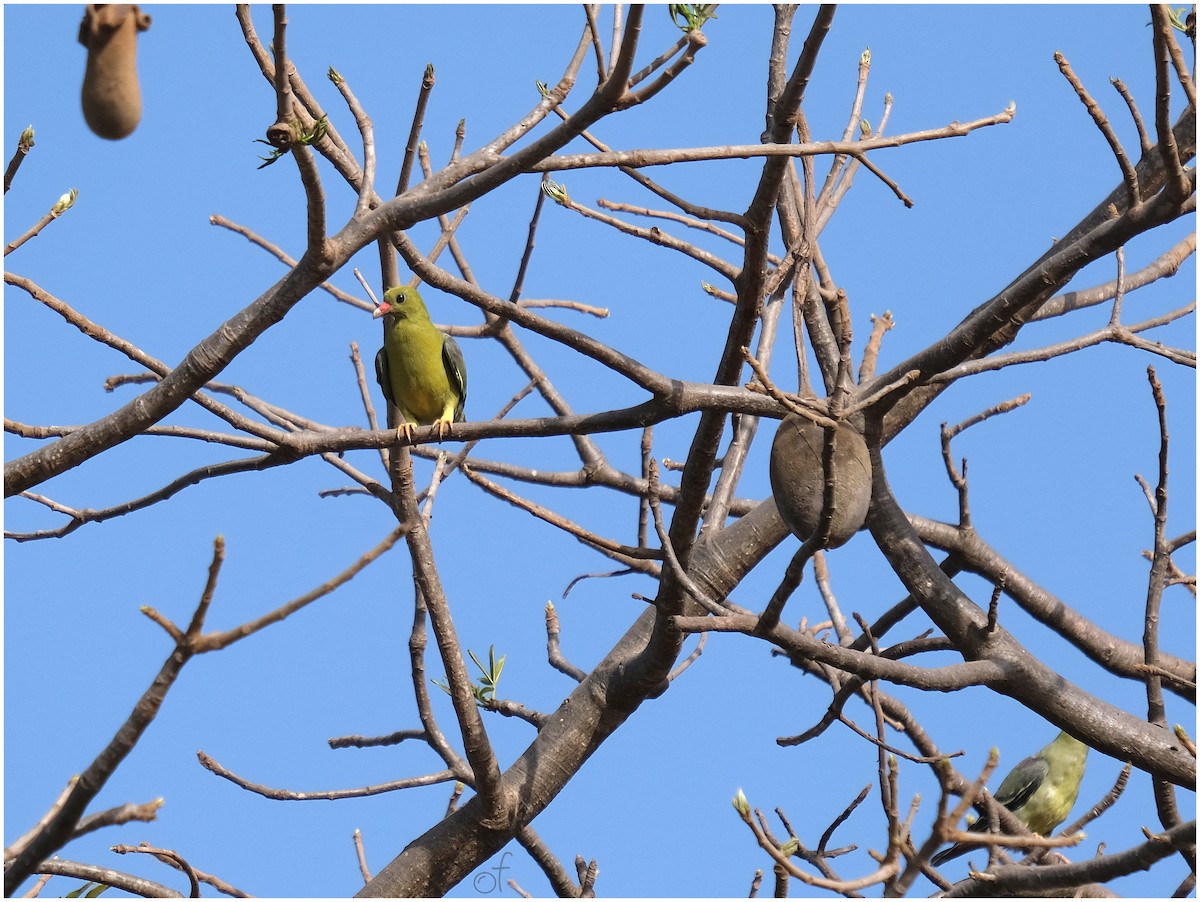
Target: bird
420	369
1040	791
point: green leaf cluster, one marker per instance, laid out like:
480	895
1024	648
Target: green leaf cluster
691	16
485	692
300	136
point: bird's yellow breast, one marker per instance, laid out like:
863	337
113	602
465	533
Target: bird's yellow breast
418	374
1050	805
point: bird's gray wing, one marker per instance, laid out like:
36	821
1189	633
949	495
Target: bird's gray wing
456	372
383	375
1022	782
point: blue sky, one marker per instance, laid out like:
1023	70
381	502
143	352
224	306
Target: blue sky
1052	487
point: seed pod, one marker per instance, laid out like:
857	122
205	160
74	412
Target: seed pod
798	478
112	100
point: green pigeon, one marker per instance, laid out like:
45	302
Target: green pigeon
420	369
1040	791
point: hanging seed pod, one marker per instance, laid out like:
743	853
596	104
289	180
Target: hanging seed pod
112	99
798	478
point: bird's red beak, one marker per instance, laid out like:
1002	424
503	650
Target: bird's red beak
381	310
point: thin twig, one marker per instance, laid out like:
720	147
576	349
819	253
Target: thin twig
553	649
670	559
165	855
366	129
24	144
615	549
637	159
1127	171
218	640
59	207
278	253
361	855
288	795
1143	136
414	131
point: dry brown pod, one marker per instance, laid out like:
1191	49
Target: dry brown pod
798	478
112	98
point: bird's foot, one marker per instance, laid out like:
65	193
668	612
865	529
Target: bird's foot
443	427
404	432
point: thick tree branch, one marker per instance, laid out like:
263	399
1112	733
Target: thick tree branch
997	321
1111	652
1028	680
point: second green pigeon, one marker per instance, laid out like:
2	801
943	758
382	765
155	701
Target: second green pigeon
1041	791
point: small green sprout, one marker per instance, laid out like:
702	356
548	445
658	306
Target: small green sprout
1178	17
691	16
556	192
741	804
64	203
88	891
485	692
299	136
